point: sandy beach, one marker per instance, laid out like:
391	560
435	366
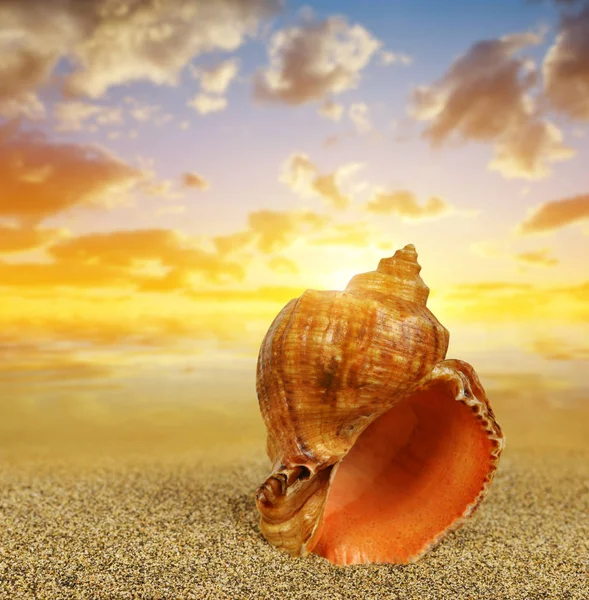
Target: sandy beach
183	527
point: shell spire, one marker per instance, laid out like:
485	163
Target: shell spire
397	276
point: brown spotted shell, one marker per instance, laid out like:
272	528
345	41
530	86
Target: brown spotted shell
378	445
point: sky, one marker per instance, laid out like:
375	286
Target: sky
173	172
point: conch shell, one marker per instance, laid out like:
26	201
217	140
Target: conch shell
379	446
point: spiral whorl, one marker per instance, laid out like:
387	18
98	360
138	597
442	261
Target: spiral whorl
395	276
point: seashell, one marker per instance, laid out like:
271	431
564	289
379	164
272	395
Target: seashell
379	446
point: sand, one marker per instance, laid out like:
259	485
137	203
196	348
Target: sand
179	527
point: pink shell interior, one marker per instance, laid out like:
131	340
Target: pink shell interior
412	475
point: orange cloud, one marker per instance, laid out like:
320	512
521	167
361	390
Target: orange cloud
556	214
15	239
115	43
149	260
194	180
275	230
566	67
314	61
39	179
346	234
124	249
72	274
537	257
404	204
485	96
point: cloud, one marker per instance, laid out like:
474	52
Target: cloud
24	363
216	80
16	239
24	105
485	96
490	287
557	349
283	265
566	67
303	177
58	274
233	242
526	152
346	234
276	230
331	110
556	214
171	210
508	301
359	115
25	62
270	231
73	116
537	258
146	259
390	58
142	112
327	187
298	172
194	180
314	61
113	43
124	249
39	179
404	204
205	104
163	189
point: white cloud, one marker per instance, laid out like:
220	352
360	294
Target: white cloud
391	58
331	110
360	115
216	80
112	43
315	61
205	104
74	115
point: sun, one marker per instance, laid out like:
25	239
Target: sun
339	279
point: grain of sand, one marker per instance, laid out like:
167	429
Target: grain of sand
182	528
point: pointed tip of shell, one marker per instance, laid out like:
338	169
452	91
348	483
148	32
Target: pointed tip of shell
395	276
406	256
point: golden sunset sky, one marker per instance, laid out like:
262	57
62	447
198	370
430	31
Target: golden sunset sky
172	172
